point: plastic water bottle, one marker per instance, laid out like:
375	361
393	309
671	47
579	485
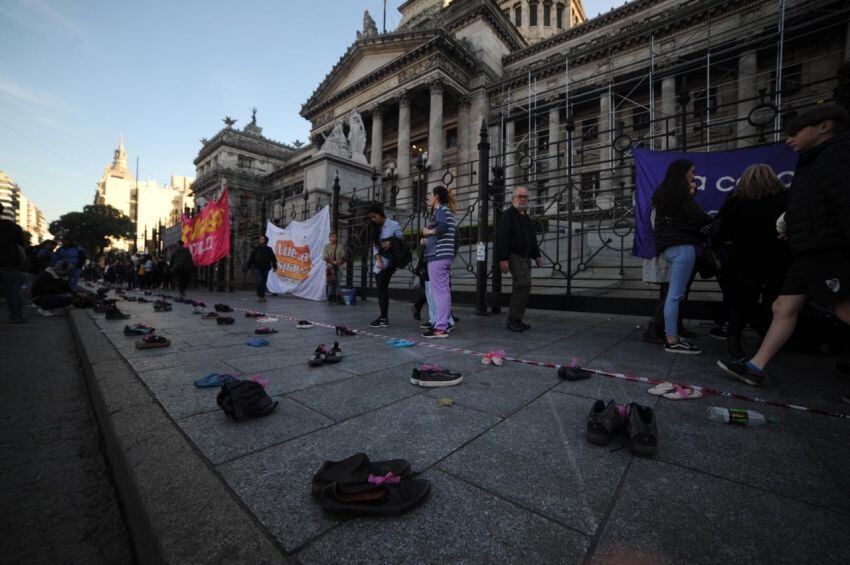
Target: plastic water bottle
737	416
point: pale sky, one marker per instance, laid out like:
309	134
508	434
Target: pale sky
74	74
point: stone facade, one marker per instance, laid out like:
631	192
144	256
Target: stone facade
20	209
583	92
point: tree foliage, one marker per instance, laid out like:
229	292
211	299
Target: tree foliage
91	227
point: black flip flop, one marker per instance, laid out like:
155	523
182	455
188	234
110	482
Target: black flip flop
369	499
356	470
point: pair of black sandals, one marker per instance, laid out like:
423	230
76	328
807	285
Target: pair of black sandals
358	486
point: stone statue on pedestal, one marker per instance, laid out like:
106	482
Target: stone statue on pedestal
336	143
357	138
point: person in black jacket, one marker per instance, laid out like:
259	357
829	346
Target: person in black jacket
817	228
262	260
757	259
182	266
514	246
680	225
12	262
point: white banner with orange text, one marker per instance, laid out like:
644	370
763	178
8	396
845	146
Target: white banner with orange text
298	248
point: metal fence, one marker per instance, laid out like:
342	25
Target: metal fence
579	168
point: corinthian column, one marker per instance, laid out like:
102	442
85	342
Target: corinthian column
464	150
747	69
554	137
435	133
403	150
667	124
510	153
377	138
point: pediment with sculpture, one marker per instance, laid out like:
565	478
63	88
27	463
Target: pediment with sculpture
375	61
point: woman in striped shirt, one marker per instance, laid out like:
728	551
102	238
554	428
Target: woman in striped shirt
440	244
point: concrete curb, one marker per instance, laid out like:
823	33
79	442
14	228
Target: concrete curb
178	510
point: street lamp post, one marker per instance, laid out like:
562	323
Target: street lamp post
374	180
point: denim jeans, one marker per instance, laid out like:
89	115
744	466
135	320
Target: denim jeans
681	259
260	278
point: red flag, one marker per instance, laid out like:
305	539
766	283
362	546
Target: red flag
207	235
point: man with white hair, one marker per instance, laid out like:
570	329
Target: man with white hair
515	245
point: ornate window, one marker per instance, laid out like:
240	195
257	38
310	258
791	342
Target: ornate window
589	189
640	119
589	128
518	15
703	102
547	14
244	162
532	13
559	16
293	190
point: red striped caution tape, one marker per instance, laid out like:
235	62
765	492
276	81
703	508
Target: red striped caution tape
575	367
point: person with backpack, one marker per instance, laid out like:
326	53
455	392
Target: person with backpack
440	243
816	226
385	234
261	261
72	254
680	225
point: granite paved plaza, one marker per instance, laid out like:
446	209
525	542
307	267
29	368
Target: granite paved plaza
513	478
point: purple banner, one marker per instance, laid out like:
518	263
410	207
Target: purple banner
717	173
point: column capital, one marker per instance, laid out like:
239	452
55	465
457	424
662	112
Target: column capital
403	99
377	111
465	101
436	86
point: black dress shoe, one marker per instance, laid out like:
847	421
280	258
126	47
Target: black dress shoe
514	325
524	325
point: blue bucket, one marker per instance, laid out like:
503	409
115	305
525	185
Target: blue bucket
348	296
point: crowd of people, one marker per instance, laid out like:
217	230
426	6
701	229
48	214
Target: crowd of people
775	249
771	249
515	246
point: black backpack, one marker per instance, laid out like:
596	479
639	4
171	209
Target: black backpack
242	400
399	253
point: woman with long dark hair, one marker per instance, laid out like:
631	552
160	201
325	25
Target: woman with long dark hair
384	231
757	260
440	238
680	225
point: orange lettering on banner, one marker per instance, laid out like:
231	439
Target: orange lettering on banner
293	262
199	227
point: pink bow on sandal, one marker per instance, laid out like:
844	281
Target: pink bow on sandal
387	479
259	380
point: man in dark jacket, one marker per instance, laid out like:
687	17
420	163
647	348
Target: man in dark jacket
817	226
262	260
12	262
182	267
515	245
